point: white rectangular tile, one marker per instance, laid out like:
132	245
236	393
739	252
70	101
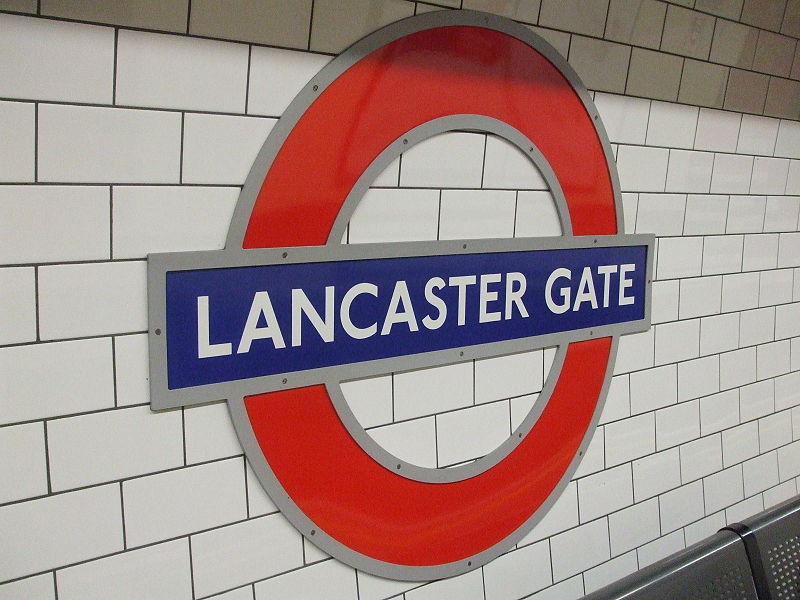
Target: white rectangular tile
412	441
774	431
739	444
775	287
642	169
610	571
677	341
624	117
773	359
52	60
468	586
17	121
746	214
594	459
769	175
155	506
679	257
59	530
447	160
756	400
87	144
717	130
722	254
737	368
53	223
787	391
518	573
562	515
661	214
428	391
477	214
789	250
656	473
536	216
681	506
40	587
756	326
385	215
370	400
329	580
160	572
757	135
472	432
689	171
636	351
109	298
789	461
23	470
171	71
672	125
705	214
739	291
731	174
132	369
788	142
760	252
209	433
634	526
660	548
46	380
697	378
605	492
781	213
508	376
277	76
580	549
653	388
723	489
105	446
677	424
701	457
628	439
779	493
507	167
220	149
700	296
719	412
700	530
744	509
231	556
664	301
719	333
170	219
17	305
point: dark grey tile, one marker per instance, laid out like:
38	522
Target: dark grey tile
579	16
654	75
601	65
746	91
703	84
637	22
765	14
275	22
687	32
160	15
734	44
774	53
783	99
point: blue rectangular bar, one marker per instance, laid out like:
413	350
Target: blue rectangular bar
226	324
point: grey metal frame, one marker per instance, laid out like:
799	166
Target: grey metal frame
775	531
234	254
713	569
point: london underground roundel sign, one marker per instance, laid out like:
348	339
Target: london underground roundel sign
279	318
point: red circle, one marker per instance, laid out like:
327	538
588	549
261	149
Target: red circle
420	77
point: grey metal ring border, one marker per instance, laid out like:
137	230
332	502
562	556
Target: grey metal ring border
482	124
235	238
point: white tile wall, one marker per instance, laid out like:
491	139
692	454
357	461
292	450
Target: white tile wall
54	223
17	160
151	219
155	506
170	71
92	299
60	530
108	145
698	427
160	572
52	60
18	305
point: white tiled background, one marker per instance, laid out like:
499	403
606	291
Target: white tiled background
117	142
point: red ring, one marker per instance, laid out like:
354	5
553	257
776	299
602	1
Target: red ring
424	76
